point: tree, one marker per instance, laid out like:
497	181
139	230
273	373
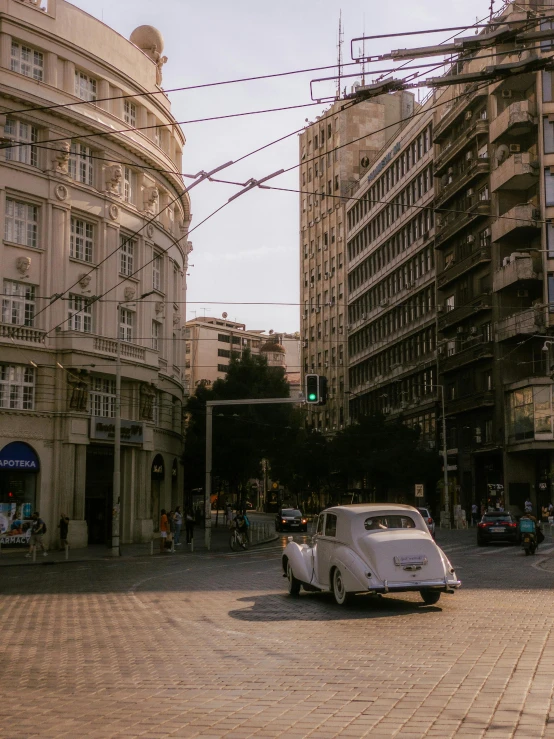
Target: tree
242	435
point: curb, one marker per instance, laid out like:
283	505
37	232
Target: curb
50	563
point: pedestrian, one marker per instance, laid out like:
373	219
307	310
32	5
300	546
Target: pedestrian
64	528
189	526
178	522
171	532
474	514
164	530
38	529
229	514
528	506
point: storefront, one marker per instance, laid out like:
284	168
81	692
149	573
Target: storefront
19	469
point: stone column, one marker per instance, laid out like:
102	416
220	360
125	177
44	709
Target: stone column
5	50
51	69
104	92
69	77
79	480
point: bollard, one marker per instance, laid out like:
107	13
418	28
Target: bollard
66	552
151	547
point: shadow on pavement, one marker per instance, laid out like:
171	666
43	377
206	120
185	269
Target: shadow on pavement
322	607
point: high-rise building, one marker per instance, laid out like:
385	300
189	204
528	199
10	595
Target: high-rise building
334	150
95	216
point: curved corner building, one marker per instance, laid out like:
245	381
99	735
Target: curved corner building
95	216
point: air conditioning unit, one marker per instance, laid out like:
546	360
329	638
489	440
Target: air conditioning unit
469	192
325	247
515	148
522	293
470	238
506	93
460	330
473	330
326	365
305	344
341	330
442	351
364	316
341	361
326	276
468	115
318	309
386	410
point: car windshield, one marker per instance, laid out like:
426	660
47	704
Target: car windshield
378	523
291	512
502	518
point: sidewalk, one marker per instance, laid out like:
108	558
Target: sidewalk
220	543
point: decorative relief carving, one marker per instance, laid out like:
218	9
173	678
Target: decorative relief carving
176	319
151	197
84	280
150	230
60	158
61	192
147	395
159	308
129	293
114	177
23	265
79	384
114	212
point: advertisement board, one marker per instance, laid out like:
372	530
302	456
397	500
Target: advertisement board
15	524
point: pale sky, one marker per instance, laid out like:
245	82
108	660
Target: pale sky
249	252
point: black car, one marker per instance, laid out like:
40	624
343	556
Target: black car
290	519
497	526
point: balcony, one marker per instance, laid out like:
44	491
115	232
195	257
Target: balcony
23	334
518	172
473	260
518	222
519	269
457	315
478	168
469	403
475	352
472	94
517	120
457	219
84	343
526	323
459	143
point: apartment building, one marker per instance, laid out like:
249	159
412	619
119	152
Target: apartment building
334	150
91	224
391	282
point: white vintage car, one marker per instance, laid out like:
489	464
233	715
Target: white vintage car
370	548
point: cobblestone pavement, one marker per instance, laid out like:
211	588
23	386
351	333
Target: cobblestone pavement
211	646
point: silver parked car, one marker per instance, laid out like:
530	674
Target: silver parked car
428	520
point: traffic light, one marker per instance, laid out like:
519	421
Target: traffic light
316	389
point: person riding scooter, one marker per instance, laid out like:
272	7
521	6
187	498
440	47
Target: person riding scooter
531	533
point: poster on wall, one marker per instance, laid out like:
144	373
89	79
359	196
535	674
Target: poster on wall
15	524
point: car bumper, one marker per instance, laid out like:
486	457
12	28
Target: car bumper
514	537
399	587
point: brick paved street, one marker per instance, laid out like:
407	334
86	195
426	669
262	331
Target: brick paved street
211	646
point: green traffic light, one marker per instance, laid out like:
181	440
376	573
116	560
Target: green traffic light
312	396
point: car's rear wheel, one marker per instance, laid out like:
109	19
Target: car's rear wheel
430	597
339	588
293	583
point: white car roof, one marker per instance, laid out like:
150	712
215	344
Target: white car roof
371	508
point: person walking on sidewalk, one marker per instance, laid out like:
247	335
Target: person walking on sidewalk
474	514
178	523
229	514
64	528
164	529
38	530
189	526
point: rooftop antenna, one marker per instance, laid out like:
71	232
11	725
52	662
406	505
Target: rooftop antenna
363	52
204	309
492	11
339	47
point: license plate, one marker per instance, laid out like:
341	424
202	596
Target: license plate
413	559
498	530
295	524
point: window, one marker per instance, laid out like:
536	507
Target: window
382	523
27	61
81	240
18	303
521	414
17	387
548	136
156	335
126	255
130	113
549	187
158	136
157	272
80	314
222	367
22	133
226	353
547	87
483	152
126	324
224	337
80	164
102	397
449	303
484	193
21	225
128	185
85	86
330	524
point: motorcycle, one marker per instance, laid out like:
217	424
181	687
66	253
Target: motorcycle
531	534
529	543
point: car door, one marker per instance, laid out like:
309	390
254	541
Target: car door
326	542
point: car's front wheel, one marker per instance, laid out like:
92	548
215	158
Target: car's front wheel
430	597
293	583
339	589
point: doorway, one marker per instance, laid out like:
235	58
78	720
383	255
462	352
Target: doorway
99	494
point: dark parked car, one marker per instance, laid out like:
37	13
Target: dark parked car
497	526
290	519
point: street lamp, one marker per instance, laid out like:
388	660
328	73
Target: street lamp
117	522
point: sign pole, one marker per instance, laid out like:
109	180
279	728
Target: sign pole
117	517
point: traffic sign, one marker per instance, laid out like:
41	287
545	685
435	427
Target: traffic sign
419	491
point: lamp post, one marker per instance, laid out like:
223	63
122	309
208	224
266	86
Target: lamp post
117	517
